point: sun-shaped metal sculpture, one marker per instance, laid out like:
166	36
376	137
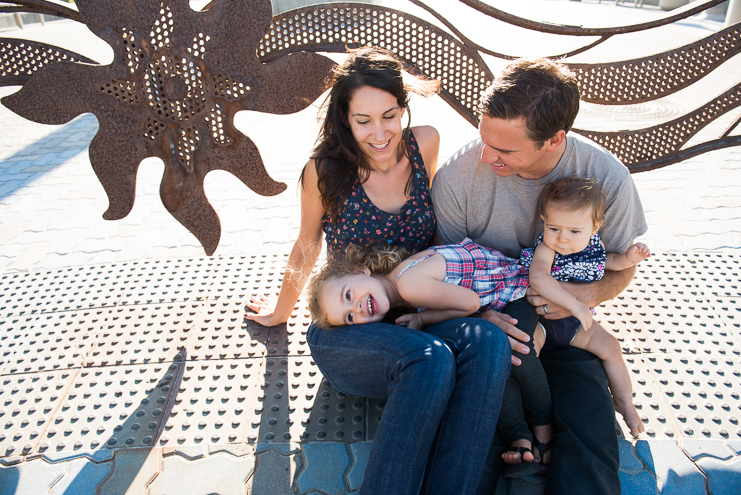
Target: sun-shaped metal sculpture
177	79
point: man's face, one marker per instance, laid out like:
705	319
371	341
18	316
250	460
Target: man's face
509	150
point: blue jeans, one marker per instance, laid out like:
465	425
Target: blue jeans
443	389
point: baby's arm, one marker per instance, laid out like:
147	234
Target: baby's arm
548	287
634	255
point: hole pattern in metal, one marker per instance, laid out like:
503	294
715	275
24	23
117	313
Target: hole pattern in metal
649	78
643	146
426	48
19	59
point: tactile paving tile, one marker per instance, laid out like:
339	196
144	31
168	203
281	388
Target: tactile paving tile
702	393
241	277
668	324
222	332
728	310
663	274
48	341
649	401
296	404
27	403
58	290
214	402
161	281
716	274
112	407
289	339
145	334
616	317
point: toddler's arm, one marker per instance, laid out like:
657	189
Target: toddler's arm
548	287
429	317
634	255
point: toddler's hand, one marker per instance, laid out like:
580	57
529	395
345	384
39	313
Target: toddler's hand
411	320
582	312
637	253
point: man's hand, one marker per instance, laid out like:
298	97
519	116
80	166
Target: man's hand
515	335
544	307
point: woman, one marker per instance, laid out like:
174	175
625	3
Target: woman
368	182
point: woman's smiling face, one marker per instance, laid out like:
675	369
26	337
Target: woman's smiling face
375	120
354	299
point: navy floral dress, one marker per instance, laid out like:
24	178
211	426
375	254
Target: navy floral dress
587	265
360	222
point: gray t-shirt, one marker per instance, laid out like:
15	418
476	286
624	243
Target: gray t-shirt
472	201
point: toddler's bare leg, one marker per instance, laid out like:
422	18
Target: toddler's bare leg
599	342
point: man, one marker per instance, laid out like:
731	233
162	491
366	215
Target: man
489	191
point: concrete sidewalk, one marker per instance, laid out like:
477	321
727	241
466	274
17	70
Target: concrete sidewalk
123	334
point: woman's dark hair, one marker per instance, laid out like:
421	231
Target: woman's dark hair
338	157
542	91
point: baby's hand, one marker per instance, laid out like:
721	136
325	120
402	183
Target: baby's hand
637	253
411	320
582	312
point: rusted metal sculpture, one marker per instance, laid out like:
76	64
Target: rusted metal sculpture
179	76
177	79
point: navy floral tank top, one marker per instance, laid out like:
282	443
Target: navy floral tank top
360	222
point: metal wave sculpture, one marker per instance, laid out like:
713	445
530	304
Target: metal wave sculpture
179	76
177	79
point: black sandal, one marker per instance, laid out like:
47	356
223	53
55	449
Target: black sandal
521	451
542	448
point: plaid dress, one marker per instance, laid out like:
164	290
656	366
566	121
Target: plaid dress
496	278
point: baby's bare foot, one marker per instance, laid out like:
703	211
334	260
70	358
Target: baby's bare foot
630	414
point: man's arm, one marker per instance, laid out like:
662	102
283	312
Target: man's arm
592	294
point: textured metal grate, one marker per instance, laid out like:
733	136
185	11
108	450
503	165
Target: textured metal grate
19	59
649	78
426	48
188	369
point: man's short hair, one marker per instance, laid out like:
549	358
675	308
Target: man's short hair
542	91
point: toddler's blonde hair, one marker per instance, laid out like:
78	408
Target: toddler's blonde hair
380	260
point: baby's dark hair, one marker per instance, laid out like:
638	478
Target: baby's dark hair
575	194
379	259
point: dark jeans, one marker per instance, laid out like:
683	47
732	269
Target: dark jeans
443	389
585	456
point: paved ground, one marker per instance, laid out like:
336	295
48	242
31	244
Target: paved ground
122	334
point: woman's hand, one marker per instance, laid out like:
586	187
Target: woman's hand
264	312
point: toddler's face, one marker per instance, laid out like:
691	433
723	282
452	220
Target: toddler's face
568	231
354	299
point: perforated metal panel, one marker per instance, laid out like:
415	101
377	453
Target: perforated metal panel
427	49
19	59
